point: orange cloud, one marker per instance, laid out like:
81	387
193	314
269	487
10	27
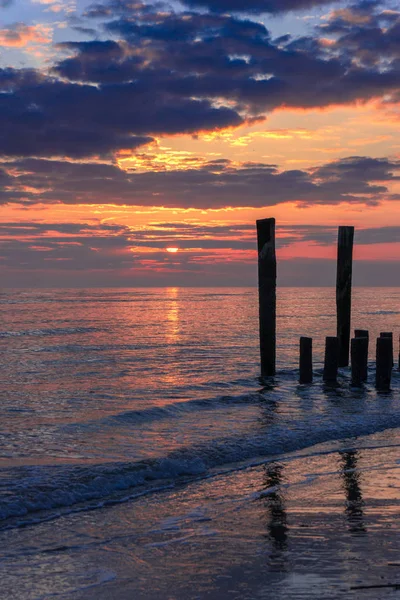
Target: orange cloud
55	6
352	17
20	35
162	158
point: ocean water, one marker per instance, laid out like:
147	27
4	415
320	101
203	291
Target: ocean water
111	395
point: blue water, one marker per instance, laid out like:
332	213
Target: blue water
107	395
107	391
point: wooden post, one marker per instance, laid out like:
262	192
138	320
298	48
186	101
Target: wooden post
343	291
399	352
383	363
267	294
306	370
331	359
363	334
389	334
357	360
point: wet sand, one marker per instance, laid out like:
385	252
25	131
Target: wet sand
323	523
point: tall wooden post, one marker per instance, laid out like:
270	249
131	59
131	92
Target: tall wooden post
267	294
343	292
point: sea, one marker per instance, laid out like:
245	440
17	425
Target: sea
109	396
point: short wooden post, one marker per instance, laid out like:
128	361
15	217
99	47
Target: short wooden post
343	291
357	360
267	294
363	334
399	352
306	370
331	359
389	334
383	363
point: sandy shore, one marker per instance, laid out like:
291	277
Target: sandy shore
320	524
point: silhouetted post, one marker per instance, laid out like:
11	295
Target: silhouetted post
389	334
343	291
306	371
363	334
383	363
399	352
331	359
267	294
357	360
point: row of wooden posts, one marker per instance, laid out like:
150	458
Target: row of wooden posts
337	349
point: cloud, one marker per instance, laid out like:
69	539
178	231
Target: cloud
365	36
19	35
215	184
110	254
165	73
257	6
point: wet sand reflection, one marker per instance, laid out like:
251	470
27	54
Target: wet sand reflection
277	525
351	484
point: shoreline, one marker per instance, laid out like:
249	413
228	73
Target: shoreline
315	525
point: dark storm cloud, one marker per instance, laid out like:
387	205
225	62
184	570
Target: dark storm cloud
257	6
216	184
53	118
164	73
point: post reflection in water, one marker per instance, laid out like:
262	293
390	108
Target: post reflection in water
277	517
354	500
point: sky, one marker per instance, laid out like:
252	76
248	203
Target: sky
139	142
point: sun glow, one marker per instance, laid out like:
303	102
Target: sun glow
172	250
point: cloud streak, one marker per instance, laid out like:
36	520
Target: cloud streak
101	251
215	184
257	6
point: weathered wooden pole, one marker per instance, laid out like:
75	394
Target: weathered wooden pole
331	359
306	370
267	294
357	354
343	291
399	352
361	333
389	334
364	335
383	363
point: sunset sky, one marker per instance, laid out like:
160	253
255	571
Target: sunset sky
128	129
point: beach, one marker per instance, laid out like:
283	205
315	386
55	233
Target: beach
321	523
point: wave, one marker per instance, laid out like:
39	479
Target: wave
172	410
36	493
50	331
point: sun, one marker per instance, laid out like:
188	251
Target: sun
172	250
